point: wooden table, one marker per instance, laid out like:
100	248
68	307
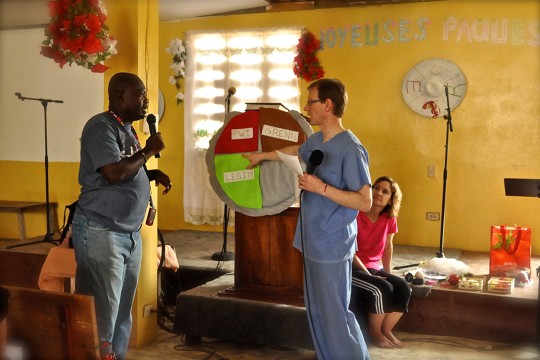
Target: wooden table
20	207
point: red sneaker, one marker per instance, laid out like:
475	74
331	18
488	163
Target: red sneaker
106	351
111	356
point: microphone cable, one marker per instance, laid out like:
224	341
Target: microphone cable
308	308
163	312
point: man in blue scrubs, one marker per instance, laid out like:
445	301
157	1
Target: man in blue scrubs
326	232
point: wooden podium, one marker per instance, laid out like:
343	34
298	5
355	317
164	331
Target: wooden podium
267	266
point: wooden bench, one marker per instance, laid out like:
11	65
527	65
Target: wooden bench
52	325
20	207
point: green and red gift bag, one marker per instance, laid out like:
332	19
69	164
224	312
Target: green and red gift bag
510	253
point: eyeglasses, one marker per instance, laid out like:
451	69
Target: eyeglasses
313	101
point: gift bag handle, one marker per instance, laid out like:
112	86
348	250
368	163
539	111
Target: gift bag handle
518	239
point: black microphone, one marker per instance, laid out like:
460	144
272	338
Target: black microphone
231	91
314	160
151	120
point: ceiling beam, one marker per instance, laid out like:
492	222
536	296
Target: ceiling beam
287	5
325	4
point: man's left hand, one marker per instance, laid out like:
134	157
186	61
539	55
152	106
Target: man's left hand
163	179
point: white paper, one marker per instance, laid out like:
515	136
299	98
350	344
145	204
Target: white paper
292	162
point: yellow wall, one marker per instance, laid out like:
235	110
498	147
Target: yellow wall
26	181
496	127
137	53
136	29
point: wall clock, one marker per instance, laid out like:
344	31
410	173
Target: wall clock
423	87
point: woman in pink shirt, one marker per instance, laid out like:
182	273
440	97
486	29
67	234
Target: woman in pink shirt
375	289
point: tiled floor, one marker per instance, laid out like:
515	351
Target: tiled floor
418	347
196	248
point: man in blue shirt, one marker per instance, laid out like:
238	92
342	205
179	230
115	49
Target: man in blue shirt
115	193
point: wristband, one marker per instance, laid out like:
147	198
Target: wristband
144	156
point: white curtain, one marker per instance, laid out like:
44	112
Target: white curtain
254	64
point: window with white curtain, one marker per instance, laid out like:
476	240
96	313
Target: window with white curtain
258	64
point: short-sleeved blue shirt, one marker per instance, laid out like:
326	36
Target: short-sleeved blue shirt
329	229
122	206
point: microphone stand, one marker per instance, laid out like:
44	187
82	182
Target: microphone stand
48	237
449	128
224	255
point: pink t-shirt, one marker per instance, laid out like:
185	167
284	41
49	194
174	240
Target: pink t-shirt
371	238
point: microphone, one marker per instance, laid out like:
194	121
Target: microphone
151	120
231	92
18	94
314	160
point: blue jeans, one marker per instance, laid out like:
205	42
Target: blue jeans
108	265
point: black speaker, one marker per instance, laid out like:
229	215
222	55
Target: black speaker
170	285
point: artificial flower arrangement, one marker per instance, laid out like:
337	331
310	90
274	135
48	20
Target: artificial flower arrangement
306	64
77	34
178	65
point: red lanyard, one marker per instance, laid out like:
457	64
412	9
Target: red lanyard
136	137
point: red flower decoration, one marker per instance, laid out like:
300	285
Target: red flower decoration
306	64
77	33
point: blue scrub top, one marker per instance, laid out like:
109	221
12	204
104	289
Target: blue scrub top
326	231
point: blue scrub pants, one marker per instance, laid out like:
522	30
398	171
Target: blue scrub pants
334	329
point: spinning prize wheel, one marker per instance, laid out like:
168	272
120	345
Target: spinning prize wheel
269	188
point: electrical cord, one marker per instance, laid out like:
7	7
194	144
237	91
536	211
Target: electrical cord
441	342
210	351
308	308
162	309
458	344
166	312
226	215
